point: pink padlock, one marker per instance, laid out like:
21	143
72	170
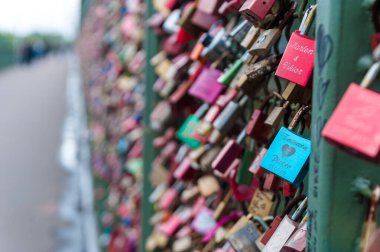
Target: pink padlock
297	63
206	87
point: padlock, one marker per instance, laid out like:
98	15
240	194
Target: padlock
203	19
229	6
254	75
229	153
261	203
370	225
240	31
217	233
227	119
204	129
182	244
171	22
244	239
209	6
288	190
189	195
268	38
207	159
277	114
218	47
242	193
180	216
297	242
185	171
265	42
297	63
186	17
228	76
201	43
171	47
206	87
160	115
155	22
208	185
250	38
203	222
294	93
256	127
271	182
170	196
255	167
288	155
244	176
220	209
255	10
285	229
353	126
184	133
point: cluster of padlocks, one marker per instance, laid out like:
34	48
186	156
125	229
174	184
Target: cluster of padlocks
111	47
235	84
232	119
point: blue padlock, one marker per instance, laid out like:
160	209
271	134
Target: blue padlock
288	155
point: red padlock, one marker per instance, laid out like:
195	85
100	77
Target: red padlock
255	167
297	63
256	10
271	182
354	125
256	127
209	6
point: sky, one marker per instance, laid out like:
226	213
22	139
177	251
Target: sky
26	16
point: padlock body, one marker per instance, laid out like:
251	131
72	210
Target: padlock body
271	182
265	42
229	153
288	156
185	132
244	240
255	167
298	241
256	128
354	125
206	86
297	63
272	228
255	10
281	235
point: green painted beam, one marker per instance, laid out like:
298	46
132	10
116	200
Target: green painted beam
151	48
336	215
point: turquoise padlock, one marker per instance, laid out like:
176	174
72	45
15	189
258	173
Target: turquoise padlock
288	155
184	134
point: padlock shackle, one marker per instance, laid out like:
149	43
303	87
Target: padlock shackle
300	210
297	118
308	19
262	223
292	204
371	75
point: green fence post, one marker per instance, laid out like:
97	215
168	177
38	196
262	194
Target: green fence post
150	44
336	216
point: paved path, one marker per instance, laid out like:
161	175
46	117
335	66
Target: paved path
32	110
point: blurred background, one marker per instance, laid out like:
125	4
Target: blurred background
45	179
